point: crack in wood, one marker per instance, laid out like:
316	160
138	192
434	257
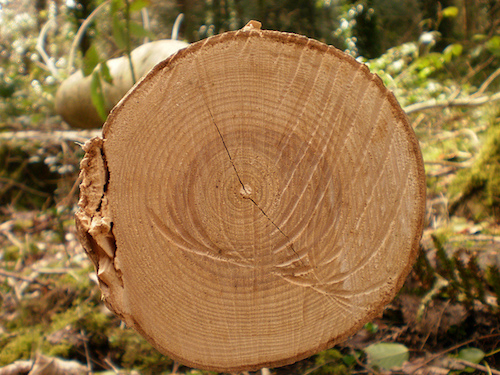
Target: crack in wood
279	230
247	191
227	150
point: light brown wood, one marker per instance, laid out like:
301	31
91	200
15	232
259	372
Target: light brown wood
257	198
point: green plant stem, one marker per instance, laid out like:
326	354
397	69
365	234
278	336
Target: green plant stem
129	49
79	35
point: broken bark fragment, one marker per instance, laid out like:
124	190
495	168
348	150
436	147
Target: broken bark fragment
257	198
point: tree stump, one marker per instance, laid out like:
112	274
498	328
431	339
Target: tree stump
256	198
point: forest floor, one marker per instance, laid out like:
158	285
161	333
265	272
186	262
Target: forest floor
446	316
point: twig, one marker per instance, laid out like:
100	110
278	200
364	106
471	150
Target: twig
471	133
55	136
23	187
175	367
437	355
469	101
49	64
80	33
145	23
477	366
448	163
111	365
67	199
22	278
177	24
87	355
488	81
477	238
128	45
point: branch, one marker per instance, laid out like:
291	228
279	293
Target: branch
49	64
477	366
80	136
461	102
145	23
488	81
79	35
177	24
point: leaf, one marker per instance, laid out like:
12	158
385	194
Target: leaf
116	5
90	60
387	355
105	74
138	5
450	12
493	45
139	31
119	33
453	50
97	95
473	355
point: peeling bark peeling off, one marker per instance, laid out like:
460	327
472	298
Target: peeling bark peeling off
256	198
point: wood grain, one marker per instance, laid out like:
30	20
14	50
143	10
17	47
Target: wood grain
266	194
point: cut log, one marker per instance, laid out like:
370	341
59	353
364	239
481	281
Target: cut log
257	198
73	98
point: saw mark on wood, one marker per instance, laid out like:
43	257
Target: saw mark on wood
247	193
279	230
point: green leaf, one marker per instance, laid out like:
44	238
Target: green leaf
119	33
97	95
139	31
138	5
105	74
116	5
453	50
450	12
90	60
349	360
493	45
371	327
473	355
387	355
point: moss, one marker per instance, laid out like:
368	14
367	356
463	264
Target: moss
133	351
330	361
64	350
20	346
475	192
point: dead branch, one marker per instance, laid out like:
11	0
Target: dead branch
49	64
469	101
465	164
488	81
56	136
145	22
16	276
476	366
177	24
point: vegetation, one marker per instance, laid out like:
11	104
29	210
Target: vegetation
442	61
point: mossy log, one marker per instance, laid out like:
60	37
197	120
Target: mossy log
475	191
73	98
256	198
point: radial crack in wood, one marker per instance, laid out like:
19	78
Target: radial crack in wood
256	198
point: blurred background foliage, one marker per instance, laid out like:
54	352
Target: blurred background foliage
440	58
458	38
